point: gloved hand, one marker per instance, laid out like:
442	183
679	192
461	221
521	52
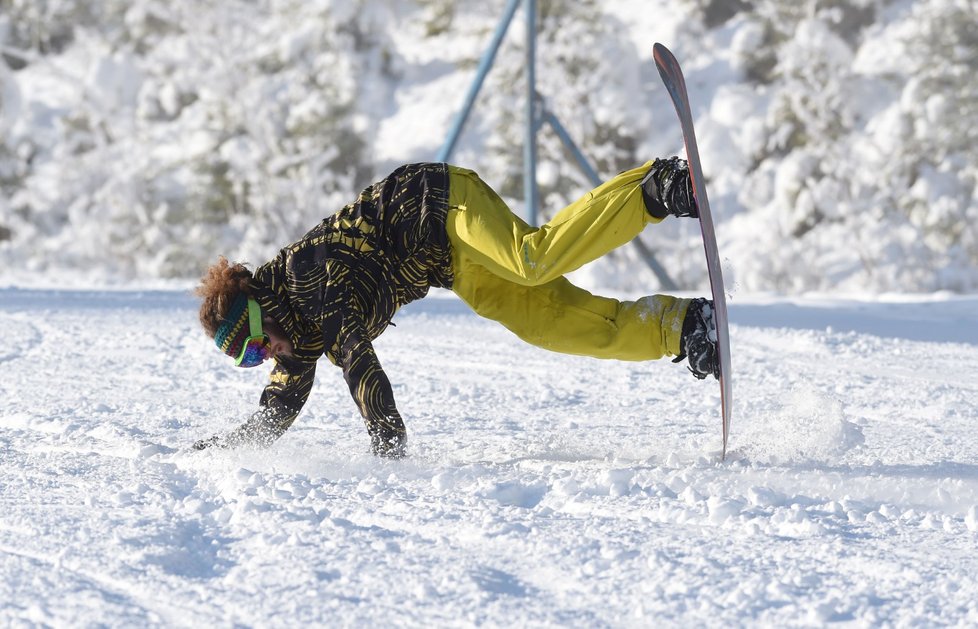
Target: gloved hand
390	446
211	442
261	430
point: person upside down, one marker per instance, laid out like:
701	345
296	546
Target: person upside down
337	288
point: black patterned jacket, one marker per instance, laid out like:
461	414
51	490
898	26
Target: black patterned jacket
336	289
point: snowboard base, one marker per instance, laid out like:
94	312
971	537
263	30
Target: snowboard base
672	76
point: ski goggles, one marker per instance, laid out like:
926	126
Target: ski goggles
256	348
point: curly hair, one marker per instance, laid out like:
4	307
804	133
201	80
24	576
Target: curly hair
220	285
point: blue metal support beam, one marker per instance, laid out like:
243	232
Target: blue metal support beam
569	144
485	64
536	115
592	175
531	192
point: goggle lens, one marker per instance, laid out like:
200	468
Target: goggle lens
256	347
254	352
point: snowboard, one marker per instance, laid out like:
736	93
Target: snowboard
672	76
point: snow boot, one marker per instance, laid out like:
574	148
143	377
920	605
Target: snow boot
668	190
699	340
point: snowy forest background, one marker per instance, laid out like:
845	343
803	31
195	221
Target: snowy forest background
140	139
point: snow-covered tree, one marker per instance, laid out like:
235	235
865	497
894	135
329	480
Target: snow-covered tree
179	131
142	138
863	177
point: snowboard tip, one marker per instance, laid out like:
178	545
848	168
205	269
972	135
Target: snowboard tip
663	56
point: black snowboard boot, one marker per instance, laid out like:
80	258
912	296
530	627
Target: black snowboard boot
667	189
699	340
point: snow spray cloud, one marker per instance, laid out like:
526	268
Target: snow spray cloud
809	427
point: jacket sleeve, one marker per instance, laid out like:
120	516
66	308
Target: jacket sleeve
281	401
347	344
371	390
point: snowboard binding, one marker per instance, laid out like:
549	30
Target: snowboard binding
699	340
667	189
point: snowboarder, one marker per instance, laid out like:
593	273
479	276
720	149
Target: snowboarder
337	288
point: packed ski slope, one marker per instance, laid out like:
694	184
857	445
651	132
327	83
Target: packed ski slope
541	490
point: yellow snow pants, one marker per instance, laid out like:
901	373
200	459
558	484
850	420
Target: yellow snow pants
510	272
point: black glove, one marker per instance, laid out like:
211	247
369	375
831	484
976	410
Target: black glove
391	446
211	442
261	430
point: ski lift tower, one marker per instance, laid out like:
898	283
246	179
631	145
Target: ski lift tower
537	113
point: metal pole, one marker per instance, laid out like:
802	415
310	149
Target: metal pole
575	152
485	64
536	114
660	273
530	191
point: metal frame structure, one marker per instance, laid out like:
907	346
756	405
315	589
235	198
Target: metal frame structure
537	113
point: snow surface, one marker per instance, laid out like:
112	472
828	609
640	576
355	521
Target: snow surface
541	490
